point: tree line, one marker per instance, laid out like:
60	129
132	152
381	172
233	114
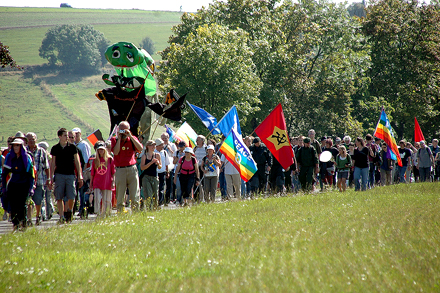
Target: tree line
332	68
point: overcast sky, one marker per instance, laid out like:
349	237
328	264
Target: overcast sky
171	5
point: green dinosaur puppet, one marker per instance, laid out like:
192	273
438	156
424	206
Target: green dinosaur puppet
134	67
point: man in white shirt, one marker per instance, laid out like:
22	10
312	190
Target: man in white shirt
162	173
82	145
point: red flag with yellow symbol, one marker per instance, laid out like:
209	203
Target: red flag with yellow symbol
272	131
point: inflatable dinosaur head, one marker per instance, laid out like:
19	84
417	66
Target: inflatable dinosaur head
126	55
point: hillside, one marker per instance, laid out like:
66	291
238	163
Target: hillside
43	102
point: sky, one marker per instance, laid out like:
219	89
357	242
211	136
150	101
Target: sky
170	5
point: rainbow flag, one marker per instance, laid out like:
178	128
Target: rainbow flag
239	155
187	134
385	132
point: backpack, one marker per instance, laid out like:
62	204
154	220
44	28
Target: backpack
193	160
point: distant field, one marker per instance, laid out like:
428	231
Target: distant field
23	29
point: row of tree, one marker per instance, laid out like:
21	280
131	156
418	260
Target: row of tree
330	70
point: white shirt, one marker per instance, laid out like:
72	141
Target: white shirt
171	149
164	159
85	150
229	168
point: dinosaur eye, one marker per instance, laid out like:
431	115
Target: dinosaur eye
130	57
116	54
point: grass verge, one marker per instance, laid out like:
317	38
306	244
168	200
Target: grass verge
385	239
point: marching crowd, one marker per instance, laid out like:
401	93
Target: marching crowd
123	172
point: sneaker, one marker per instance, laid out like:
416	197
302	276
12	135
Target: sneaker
5	216
38	221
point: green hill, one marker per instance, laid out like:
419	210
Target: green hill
44	102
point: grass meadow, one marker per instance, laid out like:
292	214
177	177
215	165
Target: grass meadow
383	240
23	29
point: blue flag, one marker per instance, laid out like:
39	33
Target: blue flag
208	120
230	121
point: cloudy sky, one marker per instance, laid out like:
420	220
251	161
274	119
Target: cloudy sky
171	5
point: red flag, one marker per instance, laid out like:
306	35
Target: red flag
272	131
418	135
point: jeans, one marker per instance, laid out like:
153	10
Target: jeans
178	189
360	174
402	171
170	187
82	199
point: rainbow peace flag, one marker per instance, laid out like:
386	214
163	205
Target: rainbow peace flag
239	155
385	132
187	134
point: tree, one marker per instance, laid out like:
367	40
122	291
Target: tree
357	9
148	44
215	67
76	47
309	56
405	56
6	58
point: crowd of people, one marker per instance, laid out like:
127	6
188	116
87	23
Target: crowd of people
123	172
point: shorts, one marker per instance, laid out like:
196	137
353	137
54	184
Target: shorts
38	195
343	174
64	187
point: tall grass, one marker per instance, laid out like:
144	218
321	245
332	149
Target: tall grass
385	239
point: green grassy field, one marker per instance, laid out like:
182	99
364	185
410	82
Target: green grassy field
23	29
383	240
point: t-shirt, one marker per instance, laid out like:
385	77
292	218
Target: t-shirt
361	158
171	149
200	152
164	159
102	177
64	158
210	166
404	155
178	154
229	168
127	152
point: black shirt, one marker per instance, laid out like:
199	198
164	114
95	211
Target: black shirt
64	158
361	158
404	155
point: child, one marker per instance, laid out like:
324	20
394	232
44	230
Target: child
102	179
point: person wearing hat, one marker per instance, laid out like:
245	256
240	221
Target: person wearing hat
124	148
188	171
162	172
210	166
150	163
42	166
263	159
307	160
81	144
18	181
102	179
65	160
